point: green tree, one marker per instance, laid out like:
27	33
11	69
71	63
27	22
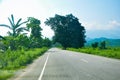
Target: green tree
47	42
103	45
35	35
15	28
95	44
68	31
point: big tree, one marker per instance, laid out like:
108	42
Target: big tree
68	31
35	34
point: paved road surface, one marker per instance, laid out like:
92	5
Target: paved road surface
58	64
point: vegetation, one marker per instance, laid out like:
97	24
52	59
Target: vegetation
95	45
12	60
68	31
17	40
17	49
15	28
4	74
109	42
35	36
15	59
109	52
101	45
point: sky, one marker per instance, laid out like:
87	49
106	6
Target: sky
101	18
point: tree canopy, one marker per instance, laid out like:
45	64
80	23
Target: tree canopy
35	35
68	31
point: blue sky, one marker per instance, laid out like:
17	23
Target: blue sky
101	18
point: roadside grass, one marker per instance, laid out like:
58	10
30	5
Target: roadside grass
110	52
13	60
5	74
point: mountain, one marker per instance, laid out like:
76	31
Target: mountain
109	42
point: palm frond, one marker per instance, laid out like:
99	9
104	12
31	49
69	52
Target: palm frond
23	23
12	17
19	30
12	25
5	26
1	37
17	24
24	34
15	28
9	33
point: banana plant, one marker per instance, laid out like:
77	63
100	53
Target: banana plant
15	28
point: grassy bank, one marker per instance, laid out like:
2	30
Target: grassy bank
110	52
13	60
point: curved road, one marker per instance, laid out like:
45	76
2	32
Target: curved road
58	64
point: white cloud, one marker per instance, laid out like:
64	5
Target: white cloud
109	30
114	23
110	25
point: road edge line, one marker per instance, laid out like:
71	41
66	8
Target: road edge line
40	77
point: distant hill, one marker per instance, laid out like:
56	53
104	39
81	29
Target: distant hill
109	42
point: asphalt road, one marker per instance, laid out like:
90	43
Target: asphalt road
58	64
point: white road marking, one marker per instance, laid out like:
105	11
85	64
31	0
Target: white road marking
40	77
84	60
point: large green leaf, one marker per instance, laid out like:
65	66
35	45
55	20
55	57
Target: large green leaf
12	17
22	23
12	25
5	26
17	24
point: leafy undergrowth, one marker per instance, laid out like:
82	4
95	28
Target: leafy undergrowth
110	52
13	60
5	74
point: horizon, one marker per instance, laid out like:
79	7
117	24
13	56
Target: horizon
100	18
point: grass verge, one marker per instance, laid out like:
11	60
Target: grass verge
5	74
110	52
13	60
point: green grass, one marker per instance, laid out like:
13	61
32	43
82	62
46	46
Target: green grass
5	74
13	60
110	52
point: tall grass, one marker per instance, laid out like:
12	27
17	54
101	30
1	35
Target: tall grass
110	52
5	74
12	60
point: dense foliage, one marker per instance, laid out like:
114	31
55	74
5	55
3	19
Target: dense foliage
18	40
35	34
68	31
18	49
101	45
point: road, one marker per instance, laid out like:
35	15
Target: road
58	64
